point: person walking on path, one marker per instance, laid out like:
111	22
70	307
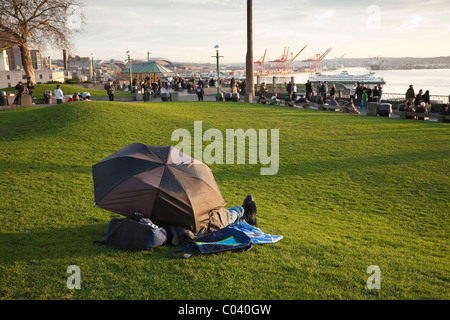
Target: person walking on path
309	90
59	95
324	91
318	91
358	94
200	92
109	87
289	90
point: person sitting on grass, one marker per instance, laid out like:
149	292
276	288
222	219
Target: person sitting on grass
275	98
301	99
86	96
333	101
351	107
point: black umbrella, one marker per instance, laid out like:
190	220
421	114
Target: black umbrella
162	183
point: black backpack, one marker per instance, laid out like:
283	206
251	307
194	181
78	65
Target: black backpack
134	234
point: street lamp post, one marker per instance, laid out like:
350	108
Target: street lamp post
131	73
217	47
93	67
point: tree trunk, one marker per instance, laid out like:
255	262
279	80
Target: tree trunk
27	62
249	81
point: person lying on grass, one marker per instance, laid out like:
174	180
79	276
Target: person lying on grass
219	219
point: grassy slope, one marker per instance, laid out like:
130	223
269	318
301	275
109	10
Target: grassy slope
69	90
351	192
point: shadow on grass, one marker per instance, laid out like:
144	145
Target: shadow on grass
53	243
27	122
39	166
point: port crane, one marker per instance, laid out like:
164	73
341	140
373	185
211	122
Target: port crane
291	60
315	62
261	65
285	63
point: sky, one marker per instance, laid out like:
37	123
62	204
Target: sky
187	31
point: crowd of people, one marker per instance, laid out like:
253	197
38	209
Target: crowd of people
360	95
420	103
321	93
153	88
418	99
237	86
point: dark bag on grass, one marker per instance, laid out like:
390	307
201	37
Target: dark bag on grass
130	234
226	239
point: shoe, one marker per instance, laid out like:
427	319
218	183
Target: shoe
246	203
250	215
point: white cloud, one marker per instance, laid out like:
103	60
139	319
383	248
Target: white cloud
187	31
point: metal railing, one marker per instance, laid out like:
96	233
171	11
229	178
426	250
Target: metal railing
401	97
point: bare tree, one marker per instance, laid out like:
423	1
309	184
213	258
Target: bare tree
25	23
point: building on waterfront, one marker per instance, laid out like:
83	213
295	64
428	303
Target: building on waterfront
9	78
11	69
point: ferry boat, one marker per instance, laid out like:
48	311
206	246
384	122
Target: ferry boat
347	79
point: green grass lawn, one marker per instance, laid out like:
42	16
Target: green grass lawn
351	192
69	90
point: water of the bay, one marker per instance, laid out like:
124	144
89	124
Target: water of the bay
437	81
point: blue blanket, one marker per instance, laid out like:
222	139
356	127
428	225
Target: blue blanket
255	234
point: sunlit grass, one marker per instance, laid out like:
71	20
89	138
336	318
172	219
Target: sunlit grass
351	191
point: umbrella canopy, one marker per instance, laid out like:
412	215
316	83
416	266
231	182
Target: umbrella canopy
162	183
148	67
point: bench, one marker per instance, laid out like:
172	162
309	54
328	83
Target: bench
349	109
269	101
304	105
26	100
415	115
330	107
288	103
440	118
443	118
